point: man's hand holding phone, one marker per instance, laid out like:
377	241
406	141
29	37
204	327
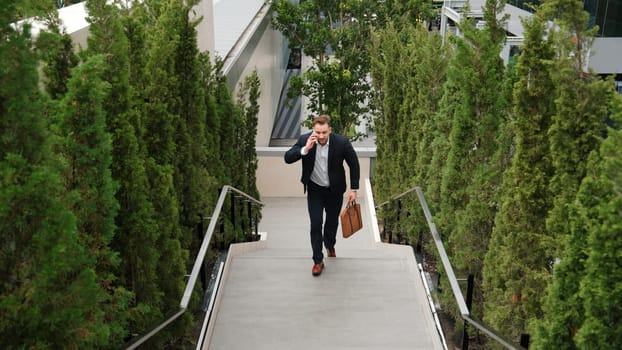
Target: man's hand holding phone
311	141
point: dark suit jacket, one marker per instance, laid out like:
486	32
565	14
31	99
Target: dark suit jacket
340	149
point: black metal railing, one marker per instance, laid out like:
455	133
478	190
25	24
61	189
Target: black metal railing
393	232
464	306
247	217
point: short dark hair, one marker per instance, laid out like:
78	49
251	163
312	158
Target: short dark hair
321	119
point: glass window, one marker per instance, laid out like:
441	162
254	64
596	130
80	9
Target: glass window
607	14
522	4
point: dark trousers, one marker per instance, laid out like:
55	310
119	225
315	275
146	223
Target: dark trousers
321	200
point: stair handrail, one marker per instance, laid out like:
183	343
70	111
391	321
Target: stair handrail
396	197
183	305
465	313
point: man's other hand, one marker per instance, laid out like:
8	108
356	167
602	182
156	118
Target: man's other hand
351	196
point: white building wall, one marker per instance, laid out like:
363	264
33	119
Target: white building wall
205	28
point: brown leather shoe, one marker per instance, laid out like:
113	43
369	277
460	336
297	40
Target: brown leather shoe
317	269
331	253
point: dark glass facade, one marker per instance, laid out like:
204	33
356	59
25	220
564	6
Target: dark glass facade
522	4
606	14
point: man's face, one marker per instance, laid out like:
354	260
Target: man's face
321	131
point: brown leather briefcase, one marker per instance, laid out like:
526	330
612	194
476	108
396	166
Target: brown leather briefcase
351	220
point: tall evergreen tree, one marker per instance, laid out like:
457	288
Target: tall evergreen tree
408	133
389	83
248	97
59	58
42	262
210	75
87	147
408	71
421	64
136	232
574	134
135	28
229	116
439	129
195	187
519	259
431	76
599	205
471	177
192	180
162	120
245	173
576	128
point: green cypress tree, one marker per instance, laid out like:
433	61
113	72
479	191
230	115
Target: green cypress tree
196	186
576	127
438	129
574	134
88	149
389	83
431	76
409	126
138	79
518	262
59	58
408	71
247	104
422	55
471	177
599	205
463	139
136	231
192	179
248	97
229	116
226	121
210	74
42	262
434	124
161	120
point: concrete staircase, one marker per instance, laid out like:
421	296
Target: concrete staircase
370	297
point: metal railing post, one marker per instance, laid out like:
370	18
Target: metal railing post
398	219
249	217
257	224
469	302
524	340
202	273
233	212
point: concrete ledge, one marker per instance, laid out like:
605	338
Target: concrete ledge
275	178
234	250
279	151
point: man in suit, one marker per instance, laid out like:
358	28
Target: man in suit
324	180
